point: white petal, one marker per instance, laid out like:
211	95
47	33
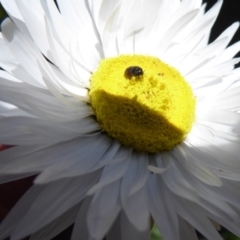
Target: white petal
103	210
110	174
115	154
39	102
22	159
17	42
80	159
209	54
135	24
33	16
228	100
109	36
178	55
223	117
174	30
230	52
129	231
136	176
198	170
194	215
57	226
106	11
161	208
211	158
214	148
136	210
80	230
56	199
32	131
141	175
178	183
162	165
69	43
222	199
7	60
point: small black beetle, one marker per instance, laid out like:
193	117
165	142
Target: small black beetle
133	71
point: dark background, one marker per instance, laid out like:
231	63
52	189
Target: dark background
229	14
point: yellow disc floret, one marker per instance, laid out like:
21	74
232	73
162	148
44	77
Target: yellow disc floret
142	102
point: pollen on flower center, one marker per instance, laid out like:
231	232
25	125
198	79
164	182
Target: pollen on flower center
142	102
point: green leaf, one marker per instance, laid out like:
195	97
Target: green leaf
3	14
155	235
229	236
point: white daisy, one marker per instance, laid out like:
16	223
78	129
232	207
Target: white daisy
125	112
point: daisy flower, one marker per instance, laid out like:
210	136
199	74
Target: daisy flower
126	115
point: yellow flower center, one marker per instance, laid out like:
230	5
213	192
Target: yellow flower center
142	102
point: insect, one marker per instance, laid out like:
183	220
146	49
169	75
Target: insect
133	71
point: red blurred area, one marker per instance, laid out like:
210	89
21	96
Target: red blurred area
3	147
11	192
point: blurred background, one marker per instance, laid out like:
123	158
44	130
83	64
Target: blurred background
11	192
